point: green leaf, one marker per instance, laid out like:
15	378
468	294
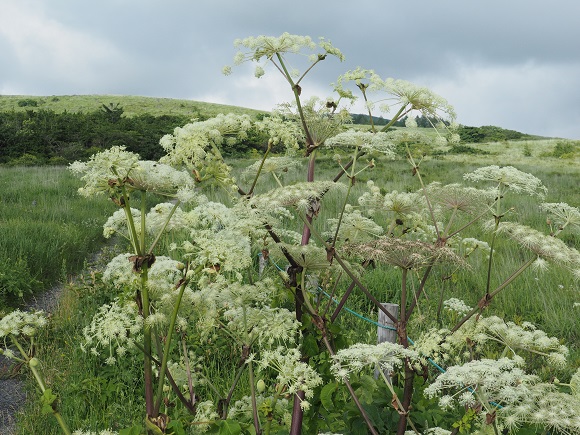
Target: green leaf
310	345
175	427
326	395
229	427
47	400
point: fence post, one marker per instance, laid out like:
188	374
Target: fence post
387	334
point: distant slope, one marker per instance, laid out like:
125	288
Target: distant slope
132	105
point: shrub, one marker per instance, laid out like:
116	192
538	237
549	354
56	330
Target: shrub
16	281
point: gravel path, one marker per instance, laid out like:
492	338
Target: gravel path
12	391
12	394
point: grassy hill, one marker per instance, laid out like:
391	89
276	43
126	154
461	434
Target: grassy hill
492	145
132	105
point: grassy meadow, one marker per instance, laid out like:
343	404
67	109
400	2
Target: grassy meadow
46	229
48	225
132	105
48	233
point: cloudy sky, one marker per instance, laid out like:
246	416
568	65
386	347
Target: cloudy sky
510	63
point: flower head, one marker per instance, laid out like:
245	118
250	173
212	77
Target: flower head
291	371
364	140
265	48
384	356
562	215
406	254
105	170
24	323
510	178
114	328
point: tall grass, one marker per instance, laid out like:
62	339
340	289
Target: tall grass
45	226
94	396
546	299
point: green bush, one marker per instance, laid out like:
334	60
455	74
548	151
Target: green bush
16	281
465	149
565	149
28	102
26	160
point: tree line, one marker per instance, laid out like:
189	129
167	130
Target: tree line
39	136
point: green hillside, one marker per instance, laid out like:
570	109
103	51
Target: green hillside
132	105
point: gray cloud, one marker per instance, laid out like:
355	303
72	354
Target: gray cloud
514	64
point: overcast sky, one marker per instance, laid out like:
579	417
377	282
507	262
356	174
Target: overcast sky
510	63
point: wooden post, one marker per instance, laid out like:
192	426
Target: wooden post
387	334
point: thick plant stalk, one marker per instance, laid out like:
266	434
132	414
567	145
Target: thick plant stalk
167	348
409	373
147	370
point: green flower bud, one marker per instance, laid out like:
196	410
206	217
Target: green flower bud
261	386
33	362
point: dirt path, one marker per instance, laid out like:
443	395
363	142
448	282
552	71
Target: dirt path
12	390
12	394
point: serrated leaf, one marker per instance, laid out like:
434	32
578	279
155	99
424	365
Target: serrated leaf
47	400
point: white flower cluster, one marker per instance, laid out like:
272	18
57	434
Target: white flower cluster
163	274
158	178
117	223
281	130
365	141
114	328
544	246
205	412
108	170
455	197
260	293
495	335
499	380
222	251
515	397
272	165
406	254
310	257
562	215
509	177
113	164
322	119
525	337
395	204
301	195
265	325
354	226
21	323
555	411
293	373
384	356
469	245
401	92
196	145
268	47
457	306
157	218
